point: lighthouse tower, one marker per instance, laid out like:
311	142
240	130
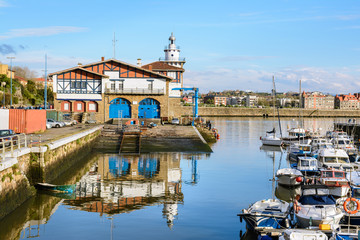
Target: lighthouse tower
172	53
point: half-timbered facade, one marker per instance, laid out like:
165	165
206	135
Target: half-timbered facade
112	89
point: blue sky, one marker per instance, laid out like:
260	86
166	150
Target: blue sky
227	44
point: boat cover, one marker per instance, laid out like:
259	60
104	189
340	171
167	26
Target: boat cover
317	200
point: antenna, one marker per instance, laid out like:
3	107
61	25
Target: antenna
114	44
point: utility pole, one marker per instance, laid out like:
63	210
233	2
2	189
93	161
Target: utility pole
45	90
114	44
11	73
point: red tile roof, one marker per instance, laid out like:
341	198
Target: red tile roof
161	66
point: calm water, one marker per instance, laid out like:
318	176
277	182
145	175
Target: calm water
161	196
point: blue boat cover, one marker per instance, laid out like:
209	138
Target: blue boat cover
317	200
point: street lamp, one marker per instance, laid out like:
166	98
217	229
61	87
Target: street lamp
3	84
11	73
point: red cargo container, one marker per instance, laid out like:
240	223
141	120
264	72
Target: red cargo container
27	120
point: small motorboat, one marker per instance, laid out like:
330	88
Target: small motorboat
266	214
289	177
297	150
302	234
308	166
336	181
56	188
334	158
316	206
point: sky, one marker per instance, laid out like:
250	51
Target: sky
227	45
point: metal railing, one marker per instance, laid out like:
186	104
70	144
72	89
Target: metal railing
157	91
167	60
11	143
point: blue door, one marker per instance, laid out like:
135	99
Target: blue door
148	167
120	108
149	108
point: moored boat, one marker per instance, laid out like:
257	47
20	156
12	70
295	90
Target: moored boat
266	214
289	177
316	206
336	181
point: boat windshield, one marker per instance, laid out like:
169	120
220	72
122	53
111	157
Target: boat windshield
308	163
343	160
327	174
317	200
330	159
339	174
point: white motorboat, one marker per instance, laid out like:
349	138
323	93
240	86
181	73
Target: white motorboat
334	158
289	176
336	181
266	214
344	143
302	234
308	166
316	206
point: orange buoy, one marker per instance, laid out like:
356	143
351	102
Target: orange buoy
348	201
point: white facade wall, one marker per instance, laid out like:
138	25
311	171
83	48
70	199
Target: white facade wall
4	116
174	93
140	83
79	96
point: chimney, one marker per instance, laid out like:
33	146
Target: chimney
102	59
150	67
79	64
139	62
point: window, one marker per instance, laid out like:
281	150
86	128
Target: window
79	106
150	85
112	86
73	85
66	106
121	85
83	85
92	107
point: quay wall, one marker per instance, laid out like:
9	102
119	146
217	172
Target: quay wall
260	112
40	164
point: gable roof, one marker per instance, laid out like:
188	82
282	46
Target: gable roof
77	68
82	67
162	66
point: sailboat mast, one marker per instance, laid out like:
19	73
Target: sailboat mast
274	101
300	121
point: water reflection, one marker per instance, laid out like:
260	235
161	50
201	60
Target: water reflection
118	184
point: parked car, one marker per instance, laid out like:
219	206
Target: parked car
175	121
6	135
54	123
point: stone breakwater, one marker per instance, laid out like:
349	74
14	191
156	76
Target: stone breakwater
260	112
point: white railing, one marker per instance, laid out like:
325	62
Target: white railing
11	143
156	91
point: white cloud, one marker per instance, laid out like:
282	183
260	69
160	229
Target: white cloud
45	31
4	3
35	60
287	79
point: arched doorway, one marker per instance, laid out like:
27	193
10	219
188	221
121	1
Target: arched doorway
149	108
119	108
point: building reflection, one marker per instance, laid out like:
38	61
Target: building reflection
119	183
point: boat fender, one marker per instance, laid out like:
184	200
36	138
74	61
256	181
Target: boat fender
349	201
